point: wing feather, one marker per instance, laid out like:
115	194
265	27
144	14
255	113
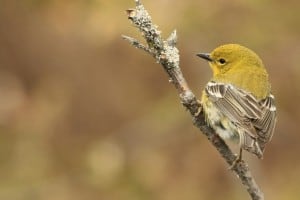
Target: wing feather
257	118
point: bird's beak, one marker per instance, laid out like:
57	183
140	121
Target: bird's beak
205	56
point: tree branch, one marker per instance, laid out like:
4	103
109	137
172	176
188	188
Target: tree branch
166	53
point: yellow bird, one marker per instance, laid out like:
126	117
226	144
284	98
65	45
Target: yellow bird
237	101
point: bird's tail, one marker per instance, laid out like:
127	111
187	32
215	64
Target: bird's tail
250	143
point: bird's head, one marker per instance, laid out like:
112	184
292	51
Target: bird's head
231	56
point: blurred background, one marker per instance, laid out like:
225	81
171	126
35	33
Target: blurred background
84	115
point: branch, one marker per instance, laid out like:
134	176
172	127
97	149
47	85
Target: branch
166	53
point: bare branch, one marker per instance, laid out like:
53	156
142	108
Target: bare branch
165	53
137	44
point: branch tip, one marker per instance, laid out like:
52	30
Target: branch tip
172	39
134	42
131	13
138	2
125	37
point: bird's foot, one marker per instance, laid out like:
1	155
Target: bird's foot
199	109
237	160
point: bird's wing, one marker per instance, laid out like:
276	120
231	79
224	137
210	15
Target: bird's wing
257	118
266	124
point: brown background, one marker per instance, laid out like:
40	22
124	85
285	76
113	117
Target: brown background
83	115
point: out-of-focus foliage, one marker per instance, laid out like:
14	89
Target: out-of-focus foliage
83	115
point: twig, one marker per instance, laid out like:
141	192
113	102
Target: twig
165	53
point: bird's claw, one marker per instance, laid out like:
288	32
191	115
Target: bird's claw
199	109
237	160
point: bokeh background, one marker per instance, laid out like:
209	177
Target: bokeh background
83	115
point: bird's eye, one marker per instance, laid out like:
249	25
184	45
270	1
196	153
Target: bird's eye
222	61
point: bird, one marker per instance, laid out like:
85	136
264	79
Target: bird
237	101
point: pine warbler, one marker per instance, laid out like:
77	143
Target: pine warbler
237	101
